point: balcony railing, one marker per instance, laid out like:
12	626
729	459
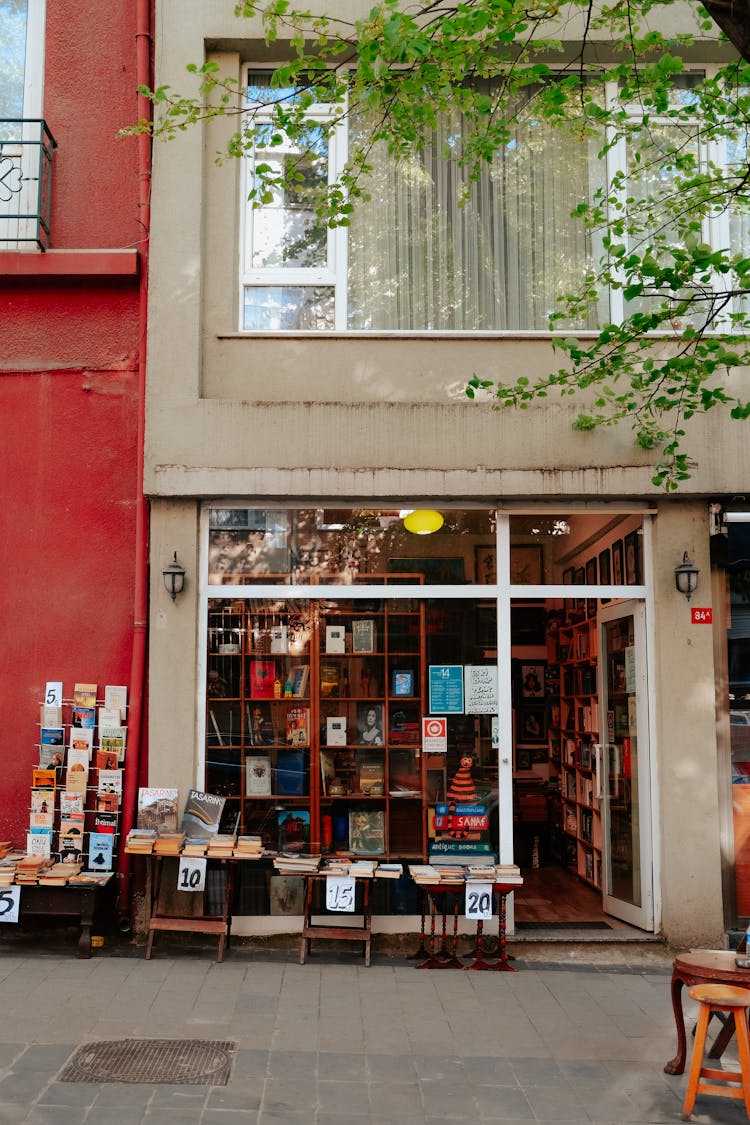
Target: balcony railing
26	149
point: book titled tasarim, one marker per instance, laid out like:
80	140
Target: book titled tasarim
202	813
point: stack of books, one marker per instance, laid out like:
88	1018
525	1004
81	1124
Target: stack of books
59	874
140	841
248	847
389	871
362	868
297	864
221	846
90	879
423	874
29	868
195	845
169	843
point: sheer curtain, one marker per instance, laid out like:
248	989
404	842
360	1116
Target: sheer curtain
437	249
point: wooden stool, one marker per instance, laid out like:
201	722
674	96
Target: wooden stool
735	1002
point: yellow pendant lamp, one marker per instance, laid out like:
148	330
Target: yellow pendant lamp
423	521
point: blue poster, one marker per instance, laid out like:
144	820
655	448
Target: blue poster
446	689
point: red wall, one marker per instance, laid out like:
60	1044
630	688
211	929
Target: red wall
69	383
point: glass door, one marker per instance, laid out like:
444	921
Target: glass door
623	766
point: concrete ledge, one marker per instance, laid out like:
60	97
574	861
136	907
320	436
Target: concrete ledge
69	263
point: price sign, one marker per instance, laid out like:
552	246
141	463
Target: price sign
53	693
10	898
191	875
340	893
478	902
701	616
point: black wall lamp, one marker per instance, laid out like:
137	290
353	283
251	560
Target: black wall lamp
174	577
686	577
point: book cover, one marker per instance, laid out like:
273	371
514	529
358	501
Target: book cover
262	676
366	832
327	770
110	781
298	726
52	747
112	740
70	848
336	638
329	679
70	802
44	779
84	695
107	802
72	824
105	822
42	801
108	717
77	773
202	813
363	636
157	809
39	843
50	715
82	738
101	851
83	717
116	699
279	636
336	730
257	776
106	759
294	830
300	675
40	819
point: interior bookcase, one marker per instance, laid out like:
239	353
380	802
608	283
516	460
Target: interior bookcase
581	817
313	723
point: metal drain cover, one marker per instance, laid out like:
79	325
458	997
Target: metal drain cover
179	1062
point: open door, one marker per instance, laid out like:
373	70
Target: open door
623	766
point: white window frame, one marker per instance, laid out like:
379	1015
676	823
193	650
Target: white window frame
334	273
28	154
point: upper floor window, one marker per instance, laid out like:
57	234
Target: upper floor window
439	246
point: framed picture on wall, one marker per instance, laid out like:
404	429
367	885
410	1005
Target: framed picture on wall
592	577
617	563
568	575
605	570
633	559
526	564
485	564
523	759
531	725
532	681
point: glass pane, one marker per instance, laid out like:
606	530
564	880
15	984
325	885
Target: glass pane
621	768
553	549
442	249
286	232
275	308
347	546
13	16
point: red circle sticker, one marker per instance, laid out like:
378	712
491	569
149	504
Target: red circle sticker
434	728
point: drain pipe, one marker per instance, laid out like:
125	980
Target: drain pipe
136	717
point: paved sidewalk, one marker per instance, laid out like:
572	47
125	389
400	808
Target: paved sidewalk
333	1043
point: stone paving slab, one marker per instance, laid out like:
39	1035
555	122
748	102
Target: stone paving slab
329	1044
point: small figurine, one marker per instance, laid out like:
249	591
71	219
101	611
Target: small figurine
462	788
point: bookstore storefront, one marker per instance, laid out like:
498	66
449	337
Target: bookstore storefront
415	685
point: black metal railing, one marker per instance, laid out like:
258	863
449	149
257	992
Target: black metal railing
26	150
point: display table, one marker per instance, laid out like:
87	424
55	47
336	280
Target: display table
702	966
217	924
316	930
77	902
447	898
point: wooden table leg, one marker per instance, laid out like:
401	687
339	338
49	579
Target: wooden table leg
503	964
433	961
677	1064
479	961
422	951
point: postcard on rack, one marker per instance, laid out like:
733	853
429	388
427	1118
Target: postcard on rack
77	773
84	695
50	715
70	802
82	738
42	801
112	739
109	717
110	781
83	716
44	779
101	849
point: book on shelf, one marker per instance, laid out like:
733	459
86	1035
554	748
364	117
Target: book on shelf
296	864
101	851
116	699
90	879
77	772
70	802
110	781
140	841
336	730
109	717
364	869
363	635
113	739
83	717
262	677
105	822
294	830
371	775
279	639
59	873
44	779
336	639
202	813
42	800
50	715
81	738
260	724
366	832
300	677
221	846
389	871
327	770
169	843
195	845
329	679
84	695
258	776
298	726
